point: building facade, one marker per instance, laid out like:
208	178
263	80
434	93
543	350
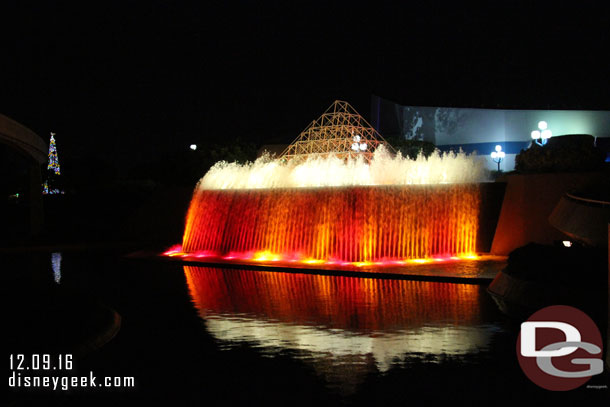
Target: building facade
481	130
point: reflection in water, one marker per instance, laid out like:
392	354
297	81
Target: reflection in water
56	266
339	323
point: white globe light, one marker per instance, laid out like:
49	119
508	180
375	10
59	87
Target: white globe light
363	146
494	154
535	134
546	134
542	125
357	138
501	154
193	147
355	146
498	148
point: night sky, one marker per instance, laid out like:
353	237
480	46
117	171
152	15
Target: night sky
130	79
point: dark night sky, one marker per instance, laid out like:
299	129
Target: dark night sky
155	75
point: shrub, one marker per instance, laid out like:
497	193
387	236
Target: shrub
574	152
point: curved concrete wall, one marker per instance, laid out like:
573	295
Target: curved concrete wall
23	139
529	201
31	145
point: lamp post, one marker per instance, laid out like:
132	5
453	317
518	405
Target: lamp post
357	145
543	134
498	155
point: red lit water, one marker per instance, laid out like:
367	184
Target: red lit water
334	225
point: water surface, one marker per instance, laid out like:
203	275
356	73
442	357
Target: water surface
206	335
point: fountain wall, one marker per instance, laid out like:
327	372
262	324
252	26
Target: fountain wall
343	224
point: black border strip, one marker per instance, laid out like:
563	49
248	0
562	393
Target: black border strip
155	258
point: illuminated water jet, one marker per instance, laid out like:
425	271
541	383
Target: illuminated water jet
327	208
334	171
357	225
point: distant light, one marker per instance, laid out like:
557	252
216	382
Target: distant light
543	134
362	146
56	266
355	146
498	155
567	243
357	138
193	147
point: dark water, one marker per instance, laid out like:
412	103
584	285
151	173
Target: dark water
233	337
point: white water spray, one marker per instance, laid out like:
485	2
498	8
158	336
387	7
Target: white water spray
384	169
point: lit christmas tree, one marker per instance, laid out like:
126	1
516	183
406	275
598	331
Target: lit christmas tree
51	184
53	160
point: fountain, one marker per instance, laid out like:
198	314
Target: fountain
338	208
355	225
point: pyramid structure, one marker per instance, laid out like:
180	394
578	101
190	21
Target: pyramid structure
339	131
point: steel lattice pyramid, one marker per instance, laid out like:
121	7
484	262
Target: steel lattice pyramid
339	131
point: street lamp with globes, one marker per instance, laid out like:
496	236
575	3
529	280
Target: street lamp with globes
543	134
498	155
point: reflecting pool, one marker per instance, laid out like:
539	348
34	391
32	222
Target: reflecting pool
337	323
205	335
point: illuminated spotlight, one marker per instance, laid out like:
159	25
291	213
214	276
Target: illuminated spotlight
193	147
543	134
469	256
498	155
567	243
357	145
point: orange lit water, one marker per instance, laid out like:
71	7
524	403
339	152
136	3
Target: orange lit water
356	225
336	302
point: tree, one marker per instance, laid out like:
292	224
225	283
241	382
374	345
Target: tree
52	183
